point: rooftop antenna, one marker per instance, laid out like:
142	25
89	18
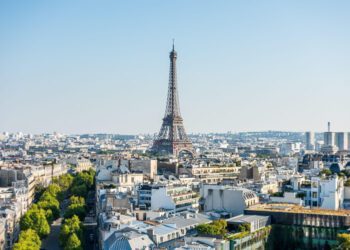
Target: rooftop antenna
173	44
329	126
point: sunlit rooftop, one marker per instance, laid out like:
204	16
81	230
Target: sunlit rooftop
292	208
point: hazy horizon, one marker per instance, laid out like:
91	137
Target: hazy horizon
151	134
102	67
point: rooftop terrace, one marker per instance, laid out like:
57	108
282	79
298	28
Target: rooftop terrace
292	208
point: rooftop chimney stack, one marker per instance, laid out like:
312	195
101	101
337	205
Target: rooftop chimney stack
329	126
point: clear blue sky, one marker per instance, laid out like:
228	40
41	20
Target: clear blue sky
102	66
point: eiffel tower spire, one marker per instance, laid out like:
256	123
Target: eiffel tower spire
172	138
172	107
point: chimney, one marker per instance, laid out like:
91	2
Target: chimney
150	232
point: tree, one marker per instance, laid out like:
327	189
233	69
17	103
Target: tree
326	172
26	222
28	240
64	181
245	227
343	241
77	200
53	189
346	172
64	234
341	175
109	186
35	219
49	216
48	201
347	183
277	194
73	243
217	227
75	225
85	177
70	226
221	226
79	190
75	209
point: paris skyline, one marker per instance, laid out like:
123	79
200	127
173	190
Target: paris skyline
87	67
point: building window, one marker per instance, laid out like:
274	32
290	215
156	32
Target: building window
314	194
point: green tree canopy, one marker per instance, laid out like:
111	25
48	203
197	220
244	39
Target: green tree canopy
64	181
35	218
217	227
70	226
346	172
83	182
73	243
47	201
326	172
343	241
28	240
245	227
53	189
79	190
77	200
347	183
75	209
85	177
49	216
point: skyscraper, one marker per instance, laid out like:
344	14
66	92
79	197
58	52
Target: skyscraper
341	140
310	140
329	137
172	138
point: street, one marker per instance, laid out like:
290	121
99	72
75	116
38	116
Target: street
52	241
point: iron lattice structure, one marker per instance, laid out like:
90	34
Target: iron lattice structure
172	138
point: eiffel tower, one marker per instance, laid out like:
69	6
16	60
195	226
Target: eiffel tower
172	138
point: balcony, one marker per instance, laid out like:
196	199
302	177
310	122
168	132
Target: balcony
187	200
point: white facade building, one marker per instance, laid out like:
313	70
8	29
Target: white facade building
310	140
228	199
288	197
170	197
323	192
256	222
289	148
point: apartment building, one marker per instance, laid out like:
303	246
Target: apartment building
215	173
322	191
170	197
228	199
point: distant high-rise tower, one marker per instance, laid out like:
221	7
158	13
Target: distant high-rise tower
329	137
329	126
172	138
341	140
310	140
